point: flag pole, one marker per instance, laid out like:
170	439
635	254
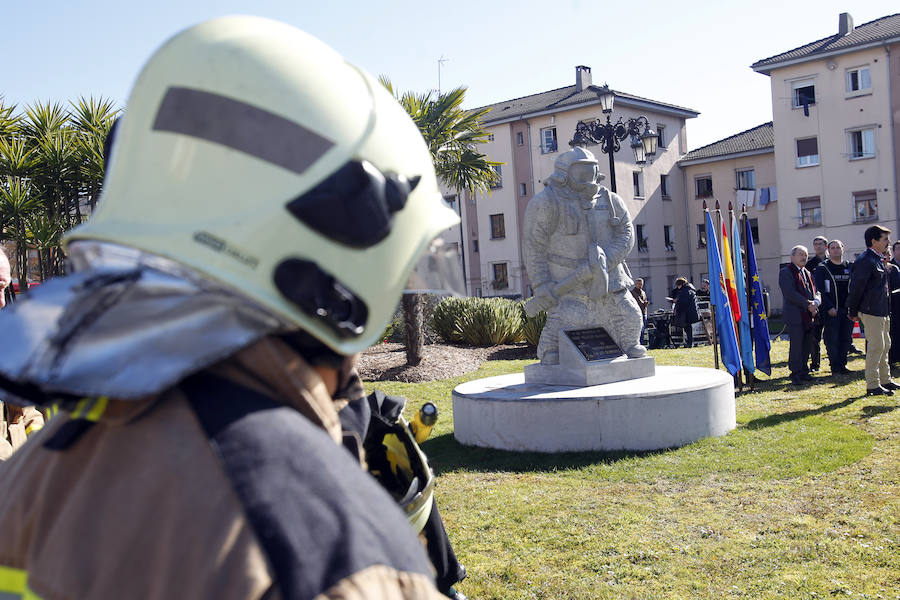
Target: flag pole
751	379
712	309
738	379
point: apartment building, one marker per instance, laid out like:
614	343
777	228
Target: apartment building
527	135
835	106
738	170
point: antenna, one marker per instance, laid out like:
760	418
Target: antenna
440	62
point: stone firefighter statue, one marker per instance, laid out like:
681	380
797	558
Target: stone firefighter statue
577	235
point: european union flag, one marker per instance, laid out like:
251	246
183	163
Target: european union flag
718	297
758	308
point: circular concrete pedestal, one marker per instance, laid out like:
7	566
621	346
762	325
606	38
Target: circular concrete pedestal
677	406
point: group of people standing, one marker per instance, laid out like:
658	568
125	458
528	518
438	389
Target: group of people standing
824	294
685	311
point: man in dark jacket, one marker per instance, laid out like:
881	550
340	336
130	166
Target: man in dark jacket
832	278
894	354
820	256
800	308
686	313
869	298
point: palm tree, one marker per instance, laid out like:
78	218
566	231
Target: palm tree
451	134
51	172
17	203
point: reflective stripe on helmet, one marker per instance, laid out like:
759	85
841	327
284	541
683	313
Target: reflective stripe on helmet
240	126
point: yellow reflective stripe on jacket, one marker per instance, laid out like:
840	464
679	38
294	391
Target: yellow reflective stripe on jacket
33	427
14	585
90	409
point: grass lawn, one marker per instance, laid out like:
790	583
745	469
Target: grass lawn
802	500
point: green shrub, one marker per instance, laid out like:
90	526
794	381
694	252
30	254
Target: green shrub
491	321
446	318
532	326
478	321
394	331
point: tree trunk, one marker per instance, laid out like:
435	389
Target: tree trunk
414	325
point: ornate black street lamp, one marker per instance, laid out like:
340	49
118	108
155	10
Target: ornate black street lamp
609	134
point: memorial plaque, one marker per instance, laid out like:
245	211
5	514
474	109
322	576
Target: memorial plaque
594	343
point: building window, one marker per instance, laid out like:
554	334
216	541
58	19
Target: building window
548	140
478	292
523	189
669	236
661	137
520	138
664	187
703	186
859	80
641	239
862	143
701	235
450	199
810	211
501	276
754	230
803	93
865	206
746	179
636	181
490	137
808	152
498	228
475	246
498	182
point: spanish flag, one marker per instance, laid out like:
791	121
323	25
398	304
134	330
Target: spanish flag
728	271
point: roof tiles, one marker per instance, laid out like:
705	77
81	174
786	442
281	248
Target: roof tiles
883	29
761	137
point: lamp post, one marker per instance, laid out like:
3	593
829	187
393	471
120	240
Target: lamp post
609	134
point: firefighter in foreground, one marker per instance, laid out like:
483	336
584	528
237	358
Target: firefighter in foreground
264	207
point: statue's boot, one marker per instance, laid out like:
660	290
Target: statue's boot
636	351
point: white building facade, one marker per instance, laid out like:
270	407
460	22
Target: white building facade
527	135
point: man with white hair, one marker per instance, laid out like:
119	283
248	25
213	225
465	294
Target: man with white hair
800	308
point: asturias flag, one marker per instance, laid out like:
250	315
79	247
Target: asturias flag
758	309
728	271
718	298
744	324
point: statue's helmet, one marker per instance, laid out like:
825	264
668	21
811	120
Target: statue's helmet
577	168
254	154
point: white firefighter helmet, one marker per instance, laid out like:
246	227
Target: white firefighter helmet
577	167
254	154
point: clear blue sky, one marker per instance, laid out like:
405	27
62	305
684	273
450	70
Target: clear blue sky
690	53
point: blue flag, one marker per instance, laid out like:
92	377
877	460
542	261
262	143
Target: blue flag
718	298
744	324
758	308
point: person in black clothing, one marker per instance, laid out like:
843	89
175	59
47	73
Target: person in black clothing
832	278
868	297
686	312
894	353
703	292
820	247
